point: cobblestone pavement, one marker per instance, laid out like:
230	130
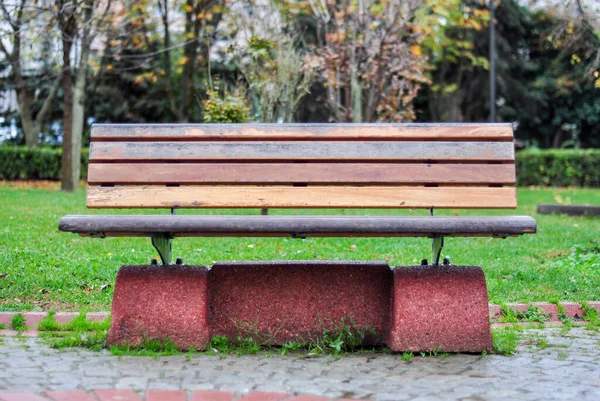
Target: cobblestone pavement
548	366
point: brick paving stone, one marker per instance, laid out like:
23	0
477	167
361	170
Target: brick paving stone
211	396
21	396
32	319
65	317
166	395
261	396
117	395
76	395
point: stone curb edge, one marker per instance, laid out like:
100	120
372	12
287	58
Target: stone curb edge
571	309
158	395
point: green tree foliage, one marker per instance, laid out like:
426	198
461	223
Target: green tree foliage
548	93
325	60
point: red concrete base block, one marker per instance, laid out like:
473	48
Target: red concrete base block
443	308
275	302
161	302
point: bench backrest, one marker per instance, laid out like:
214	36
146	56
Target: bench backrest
302	166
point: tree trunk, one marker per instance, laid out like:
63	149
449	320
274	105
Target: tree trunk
164	10
78	114
79	93
69	181
33	127
30	131
557	140
189	59
356	96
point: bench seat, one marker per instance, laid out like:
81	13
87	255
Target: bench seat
296	226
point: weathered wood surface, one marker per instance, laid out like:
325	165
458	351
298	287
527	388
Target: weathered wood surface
313	132
391	226
291	173
290	150
300	197
571	210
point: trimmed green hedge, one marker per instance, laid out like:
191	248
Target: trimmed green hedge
21	163
559	168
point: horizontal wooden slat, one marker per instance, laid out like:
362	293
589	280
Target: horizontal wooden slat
298	226
290	173
368	150
189	132
299	197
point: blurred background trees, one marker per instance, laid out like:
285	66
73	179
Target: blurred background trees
65	64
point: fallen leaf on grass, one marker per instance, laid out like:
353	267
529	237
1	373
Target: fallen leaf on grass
2	275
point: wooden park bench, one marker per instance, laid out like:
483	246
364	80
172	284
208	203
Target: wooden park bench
425	166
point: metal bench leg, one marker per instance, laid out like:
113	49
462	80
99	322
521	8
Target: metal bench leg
164	245
436	248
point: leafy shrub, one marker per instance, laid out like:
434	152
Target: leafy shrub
227	109
559	167
21	163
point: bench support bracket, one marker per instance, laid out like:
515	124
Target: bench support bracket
436	248
164	245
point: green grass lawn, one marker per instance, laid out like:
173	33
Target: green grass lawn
46	269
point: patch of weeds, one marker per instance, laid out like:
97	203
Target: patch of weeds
532	314
562	355
509	315
247	346
190	353
591	316
222	346
2	326
407	356
95	340
292	346
436	352
79	332
505	340
542	343
154	348
49	323
18	322
79	323
345	337
562	316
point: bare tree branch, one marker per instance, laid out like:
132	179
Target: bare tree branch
47	106
7	54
